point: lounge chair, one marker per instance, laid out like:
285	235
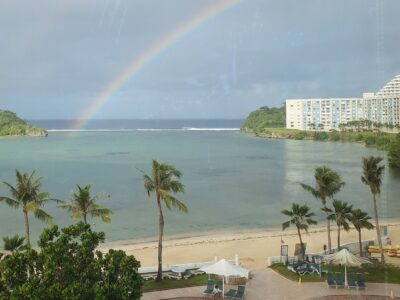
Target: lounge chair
210	288
339	280
187	275
174	275
240	292
149	276
360	281
330	282
230	294
196	272
352	281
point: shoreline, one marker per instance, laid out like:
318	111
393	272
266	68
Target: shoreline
253	247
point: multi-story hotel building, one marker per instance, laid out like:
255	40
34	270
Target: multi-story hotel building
325	114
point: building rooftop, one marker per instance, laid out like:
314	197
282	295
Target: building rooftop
391	88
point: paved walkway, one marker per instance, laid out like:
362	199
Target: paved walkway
266	284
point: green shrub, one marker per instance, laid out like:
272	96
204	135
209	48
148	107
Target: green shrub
334	136
394	153
320	136
300	135
359	137
370	140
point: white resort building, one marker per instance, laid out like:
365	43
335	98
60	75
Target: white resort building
326	114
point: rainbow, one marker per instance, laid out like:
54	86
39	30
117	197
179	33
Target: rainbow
138	63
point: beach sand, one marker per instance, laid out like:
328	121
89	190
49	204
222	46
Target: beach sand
253	248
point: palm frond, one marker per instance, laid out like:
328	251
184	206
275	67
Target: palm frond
10	202
42	215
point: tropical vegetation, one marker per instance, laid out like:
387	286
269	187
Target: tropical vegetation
301	217
82	205
327	184
372	173
265	117
26	195
164	182
394	153
360	220
341	214
67	266
14	243
11	125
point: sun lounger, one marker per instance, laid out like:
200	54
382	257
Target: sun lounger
352	281
196	272
173	275
339	280
230	294
330	282
149	276
187	275
210	288
360	281
240	292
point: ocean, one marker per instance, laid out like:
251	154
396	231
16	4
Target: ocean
233	181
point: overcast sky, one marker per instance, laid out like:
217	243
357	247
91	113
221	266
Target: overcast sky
56	55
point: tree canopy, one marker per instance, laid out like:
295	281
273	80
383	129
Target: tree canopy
68	267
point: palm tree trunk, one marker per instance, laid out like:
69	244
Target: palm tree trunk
338	237
301	243
28	241
378	231
160	236
328	229
84	218
359	240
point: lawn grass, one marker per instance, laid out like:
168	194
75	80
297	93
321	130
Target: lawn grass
166	284
373	273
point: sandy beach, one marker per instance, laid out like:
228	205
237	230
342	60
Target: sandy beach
253	247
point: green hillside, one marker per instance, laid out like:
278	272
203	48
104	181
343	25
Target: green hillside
11	125
265	117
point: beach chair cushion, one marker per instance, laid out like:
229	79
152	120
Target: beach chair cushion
210	288
330	282
339	280
351	280
230	294
360	282
240	292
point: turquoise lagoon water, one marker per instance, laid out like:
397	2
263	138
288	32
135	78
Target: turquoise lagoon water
233	181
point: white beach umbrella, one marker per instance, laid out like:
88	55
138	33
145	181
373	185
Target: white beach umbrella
346	258
226	269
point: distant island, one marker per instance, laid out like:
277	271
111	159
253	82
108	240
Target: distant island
11	125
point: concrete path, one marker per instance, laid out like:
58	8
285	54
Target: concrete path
267	284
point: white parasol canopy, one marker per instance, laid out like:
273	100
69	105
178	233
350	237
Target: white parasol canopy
346	258
226	269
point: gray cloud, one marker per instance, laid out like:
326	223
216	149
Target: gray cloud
58	55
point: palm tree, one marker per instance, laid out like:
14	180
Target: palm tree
27	196
327	184
82	204
301	217
164	181
372	176
14	243
341	213
360	220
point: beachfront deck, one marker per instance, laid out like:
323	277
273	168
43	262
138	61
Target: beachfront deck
266	284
